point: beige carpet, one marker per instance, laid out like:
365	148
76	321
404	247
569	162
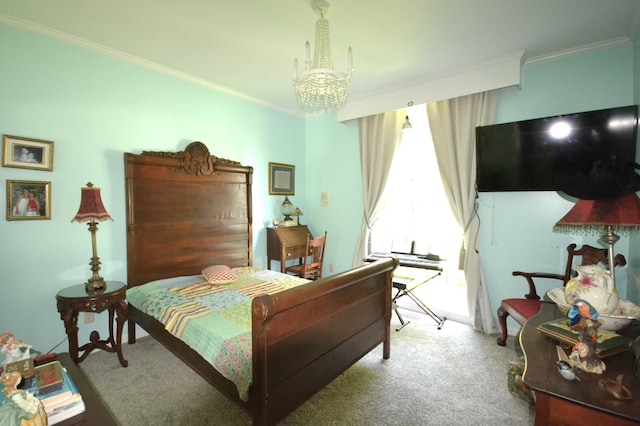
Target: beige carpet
452	376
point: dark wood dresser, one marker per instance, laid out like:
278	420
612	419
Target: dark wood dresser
286	243
563	402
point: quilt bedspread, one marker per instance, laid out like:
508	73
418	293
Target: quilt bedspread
213	319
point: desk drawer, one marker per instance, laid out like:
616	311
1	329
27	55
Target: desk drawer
294	252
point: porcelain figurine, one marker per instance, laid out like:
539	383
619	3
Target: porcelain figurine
13	350
596	286
21	408
583	319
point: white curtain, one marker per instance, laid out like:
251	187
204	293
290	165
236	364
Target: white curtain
379	136
453	124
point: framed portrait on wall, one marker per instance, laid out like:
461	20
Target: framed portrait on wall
282	179
25	153
28	200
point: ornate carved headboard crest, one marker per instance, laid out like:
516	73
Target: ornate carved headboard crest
195	159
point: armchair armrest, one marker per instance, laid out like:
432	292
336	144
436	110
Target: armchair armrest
529	276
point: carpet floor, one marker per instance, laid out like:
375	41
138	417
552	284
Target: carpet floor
452	376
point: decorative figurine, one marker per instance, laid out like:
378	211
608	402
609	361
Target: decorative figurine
583	319
615	388
13	350
566	370
21	408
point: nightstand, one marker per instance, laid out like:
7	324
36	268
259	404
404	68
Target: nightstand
75	299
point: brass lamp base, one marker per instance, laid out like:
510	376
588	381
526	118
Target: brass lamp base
95	286
96	283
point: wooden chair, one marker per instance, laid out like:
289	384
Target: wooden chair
524	308
311	265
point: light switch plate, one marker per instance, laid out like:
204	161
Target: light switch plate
324	198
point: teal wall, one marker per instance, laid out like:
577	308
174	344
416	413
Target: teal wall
516	228
95	108
333	166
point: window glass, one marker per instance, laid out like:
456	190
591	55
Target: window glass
416	208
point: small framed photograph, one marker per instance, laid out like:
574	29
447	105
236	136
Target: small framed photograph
282	179
24	153
28	200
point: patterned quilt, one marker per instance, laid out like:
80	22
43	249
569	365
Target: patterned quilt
213	319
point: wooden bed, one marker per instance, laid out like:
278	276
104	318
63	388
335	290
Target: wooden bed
189	210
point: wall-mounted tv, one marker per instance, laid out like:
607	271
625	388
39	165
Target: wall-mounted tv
547	154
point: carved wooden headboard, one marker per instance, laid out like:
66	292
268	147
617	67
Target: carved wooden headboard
185	211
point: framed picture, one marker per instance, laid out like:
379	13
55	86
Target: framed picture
282	179
28	200
24	153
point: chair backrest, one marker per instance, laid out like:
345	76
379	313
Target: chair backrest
312	266
590	256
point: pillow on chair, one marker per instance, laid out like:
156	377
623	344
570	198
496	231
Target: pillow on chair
219	274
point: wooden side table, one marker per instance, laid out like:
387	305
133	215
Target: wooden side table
563	402
75	299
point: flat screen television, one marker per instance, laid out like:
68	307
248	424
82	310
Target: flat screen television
547	154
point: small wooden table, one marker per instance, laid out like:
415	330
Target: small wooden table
96	413
563	402
75	299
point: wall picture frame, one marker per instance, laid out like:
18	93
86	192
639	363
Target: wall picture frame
282	179
26	153
28	200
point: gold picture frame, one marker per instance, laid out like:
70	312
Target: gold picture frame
26	153
28	200
282	179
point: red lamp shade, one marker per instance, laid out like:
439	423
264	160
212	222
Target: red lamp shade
623	214
91	207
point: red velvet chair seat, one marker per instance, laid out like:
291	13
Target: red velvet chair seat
524	307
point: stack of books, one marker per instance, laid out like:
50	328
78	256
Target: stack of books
58	392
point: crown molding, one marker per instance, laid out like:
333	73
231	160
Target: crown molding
581	50
134	60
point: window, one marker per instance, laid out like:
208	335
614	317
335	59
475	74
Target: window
416	208
416	214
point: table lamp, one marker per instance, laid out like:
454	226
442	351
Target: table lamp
607	216
92	211
297	213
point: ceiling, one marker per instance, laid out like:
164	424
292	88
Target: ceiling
247	47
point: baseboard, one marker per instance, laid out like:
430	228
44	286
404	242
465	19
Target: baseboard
140	332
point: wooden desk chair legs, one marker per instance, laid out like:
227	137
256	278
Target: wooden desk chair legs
311	265
521	309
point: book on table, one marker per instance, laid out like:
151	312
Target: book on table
58	393
65	412
49	379
608	343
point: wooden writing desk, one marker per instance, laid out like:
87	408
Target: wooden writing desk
563	402
286	243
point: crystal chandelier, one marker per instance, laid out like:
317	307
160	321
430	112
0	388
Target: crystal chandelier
319	87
